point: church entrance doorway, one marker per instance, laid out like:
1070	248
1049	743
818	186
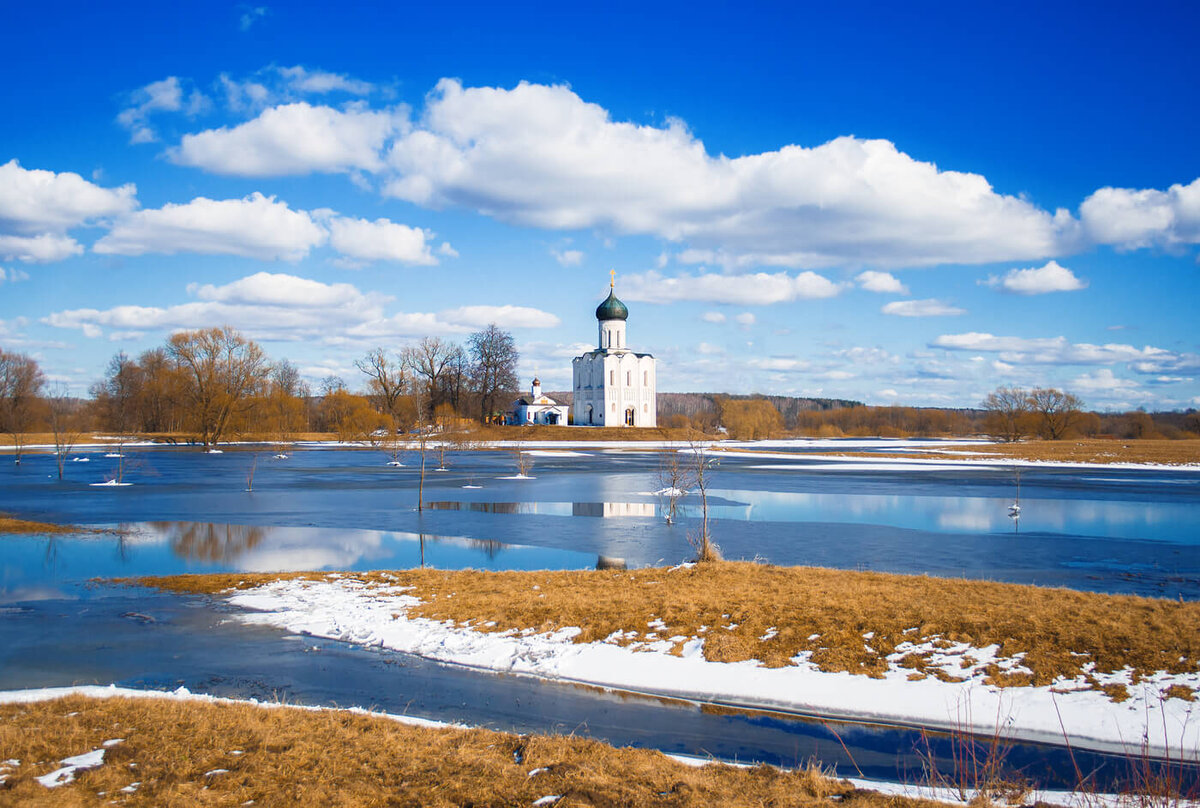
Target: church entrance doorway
629	416
590	421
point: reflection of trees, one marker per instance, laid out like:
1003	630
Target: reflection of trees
490	547
205	541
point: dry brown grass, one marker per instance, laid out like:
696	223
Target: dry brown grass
734	605
11	525
1092	450
294	757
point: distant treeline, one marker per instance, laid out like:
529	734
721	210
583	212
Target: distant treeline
212	384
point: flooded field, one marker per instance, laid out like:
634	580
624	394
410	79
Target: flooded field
1128	530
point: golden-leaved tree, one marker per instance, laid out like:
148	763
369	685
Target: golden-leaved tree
222	371
21	381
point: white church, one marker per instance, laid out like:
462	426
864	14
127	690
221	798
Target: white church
612	385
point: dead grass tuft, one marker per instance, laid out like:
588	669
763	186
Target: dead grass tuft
14	526
172	751
840	620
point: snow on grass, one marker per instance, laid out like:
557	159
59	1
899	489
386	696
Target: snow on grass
352	611
38	694
953	796
71	765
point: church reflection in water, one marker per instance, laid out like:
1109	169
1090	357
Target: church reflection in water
603	510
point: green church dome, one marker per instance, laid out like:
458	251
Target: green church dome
612	309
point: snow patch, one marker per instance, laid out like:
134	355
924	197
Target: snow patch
71	765
351	611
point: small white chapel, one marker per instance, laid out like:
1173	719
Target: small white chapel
539	408
612	385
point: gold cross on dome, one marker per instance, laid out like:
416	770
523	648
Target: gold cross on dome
612	284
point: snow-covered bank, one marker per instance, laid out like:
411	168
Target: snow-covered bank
38	694
96	757
351	611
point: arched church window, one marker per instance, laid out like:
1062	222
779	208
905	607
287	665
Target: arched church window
645	378
629	378
612	377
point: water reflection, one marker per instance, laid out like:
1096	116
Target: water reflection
604	510
1164	521
942	514
32	563
210	542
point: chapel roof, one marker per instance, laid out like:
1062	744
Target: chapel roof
612	309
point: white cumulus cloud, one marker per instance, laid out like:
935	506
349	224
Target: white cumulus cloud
782	364
712	317
921	308
883	282
295	138
540	155
503	316
381	240
1060	351
320	82
279	289
751	289
1037	281
255	227
264	305
1131	218
1103	380
568	258
279	306
39	249
34	201
166	95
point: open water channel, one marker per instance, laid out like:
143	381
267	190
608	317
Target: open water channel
1130	531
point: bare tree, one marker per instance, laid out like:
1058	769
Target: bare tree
430	362
523	460
421	437
223	370
1056	411
21	380
285	410
387	380
701	467
116	397
66	424
674	477
493	366
1007	413
160	403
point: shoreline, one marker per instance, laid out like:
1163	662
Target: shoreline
957	793
914	451
1107	712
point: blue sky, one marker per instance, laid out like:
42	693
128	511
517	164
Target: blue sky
897	205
